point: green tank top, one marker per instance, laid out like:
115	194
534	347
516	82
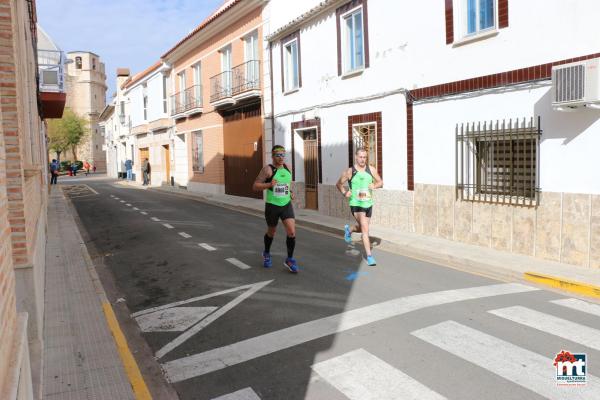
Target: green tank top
280	194
361	195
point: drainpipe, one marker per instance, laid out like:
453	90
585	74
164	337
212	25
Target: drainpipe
272	93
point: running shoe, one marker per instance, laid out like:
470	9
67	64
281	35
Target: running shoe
347	234
267	263
290	264
371	260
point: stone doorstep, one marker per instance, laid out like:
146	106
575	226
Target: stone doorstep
487	262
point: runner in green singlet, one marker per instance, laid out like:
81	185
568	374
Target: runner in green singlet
276	179
362	178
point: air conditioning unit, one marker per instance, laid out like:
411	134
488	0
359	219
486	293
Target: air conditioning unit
576	85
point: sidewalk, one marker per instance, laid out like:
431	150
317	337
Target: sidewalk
81	360
484	261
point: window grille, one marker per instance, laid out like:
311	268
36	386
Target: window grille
365	136
498	162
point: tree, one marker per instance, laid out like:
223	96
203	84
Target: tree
67	132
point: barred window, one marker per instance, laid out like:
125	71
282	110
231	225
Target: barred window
365	136
497	162
198	148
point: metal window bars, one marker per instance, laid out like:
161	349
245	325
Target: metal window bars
220	86
498	161
246	77
365	136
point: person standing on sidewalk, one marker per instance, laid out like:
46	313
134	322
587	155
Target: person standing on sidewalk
362	178
54	167
146	171
86	166
276	179
129	169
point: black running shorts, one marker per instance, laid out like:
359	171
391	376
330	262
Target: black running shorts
367	211
273	213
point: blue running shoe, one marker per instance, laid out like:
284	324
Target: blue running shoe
290	263
267	263
371	260
347	234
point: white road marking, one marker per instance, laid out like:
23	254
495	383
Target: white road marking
155	219
206	246
359	375
143	213
244	394
560	327
211	318
122	201
185	235
204	297
222	357
168	226
128	205
112	195
237	263
116	198
89	187
174	319
136	209
579	305
518	365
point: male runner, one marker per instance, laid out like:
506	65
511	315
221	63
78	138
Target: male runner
362	179
276	179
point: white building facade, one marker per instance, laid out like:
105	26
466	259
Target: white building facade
436	95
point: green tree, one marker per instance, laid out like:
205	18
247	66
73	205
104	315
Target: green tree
66	132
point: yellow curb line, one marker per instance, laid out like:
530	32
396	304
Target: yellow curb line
564	284
131	368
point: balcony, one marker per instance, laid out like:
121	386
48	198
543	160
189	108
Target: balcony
187	102
51	70
246	80
220	90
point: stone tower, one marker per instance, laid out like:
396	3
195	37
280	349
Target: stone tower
86	96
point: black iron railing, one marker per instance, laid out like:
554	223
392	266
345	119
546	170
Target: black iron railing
246	77
220	86
186	100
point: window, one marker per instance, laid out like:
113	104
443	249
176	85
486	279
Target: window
78	62
291	66
353	41
145	101
251	58
498	162
164	93
479	16
181	78
93	63
197	74
365	136
226	70
198	149
122	107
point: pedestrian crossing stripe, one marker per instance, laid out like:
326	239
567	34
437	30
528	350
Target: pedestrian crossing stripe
560	327
513	363
244	394
579	305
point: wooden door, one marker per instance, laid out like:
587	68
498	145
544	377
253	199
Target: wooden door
167	164
311	169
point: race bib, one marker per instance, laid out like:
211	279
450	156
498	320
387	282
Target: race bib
281	190
364	194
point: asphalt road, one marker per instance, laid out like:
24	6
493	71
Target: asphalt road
223	327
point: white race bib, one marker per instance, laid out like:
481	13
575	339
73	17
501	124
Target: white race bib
363	194
281	189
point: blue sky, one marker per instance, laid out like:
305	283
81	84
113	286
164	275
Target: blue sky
124	33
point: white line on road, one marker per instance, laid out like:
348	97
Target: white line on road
563	328
210	319
518	365
222	357
88	186
206	246
244	394
155	219
122	201
237	263
185	235
361	376
136	209
579	305
128	205
143	213
168	226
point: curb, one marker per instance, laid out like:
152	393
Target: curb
583	289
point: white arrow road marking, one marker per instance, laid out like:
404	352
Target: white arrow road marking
143	213
168	226
175	319
185	235
237	263
362	376
563	328
579	305
211	318
244	394
206	246
155	219
236	353
518	365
